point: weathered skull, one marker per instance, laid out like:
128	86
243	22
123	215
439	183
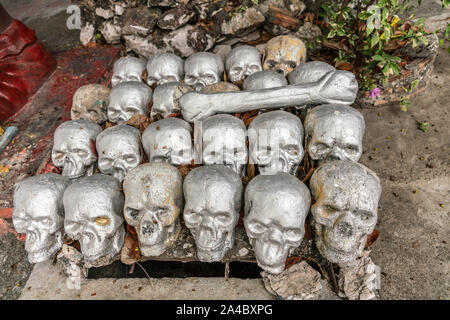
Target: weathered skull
264	80
39	213
224	142
164	98
128	69
93	207
276	142
346	198
203	69
153	203
283	54
127	99
334	132
74	148
276	207
90	103
168	140
119	150
213	202
241	62
163	68
309	72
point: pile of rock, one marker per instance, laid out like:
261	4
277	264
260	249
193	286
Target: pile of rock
183	27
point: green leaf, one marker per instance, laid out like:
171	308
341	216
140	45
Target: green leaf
375	39
424	40
414	84
415	42
384	15
377	57
370	28
387	34
331	34
395	68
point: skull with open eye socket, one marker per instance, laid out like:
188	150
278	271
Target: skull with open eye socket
203	69
334	132
90	103
276	142
119	150
276	207
265	79
74	148
242	62
224	142
127	99
153	203
346	196
164	98
163	68
168	140
93	207
213	202
283	54
128	69
39	213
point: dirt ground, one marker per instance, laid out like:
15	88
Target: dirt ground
413	165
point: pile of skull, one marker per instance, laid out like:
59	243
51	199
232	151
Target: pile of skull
92	208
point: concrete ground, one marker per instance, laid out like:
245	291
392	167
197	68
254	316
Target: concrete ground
413	165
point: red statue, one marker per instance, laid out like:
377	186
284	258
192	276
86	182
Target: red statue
24	64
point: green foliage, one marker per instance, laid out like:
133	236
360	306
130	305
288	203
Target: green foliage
424	126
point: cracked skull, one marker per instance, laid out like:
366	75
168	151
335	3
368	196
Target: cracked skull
283	54
153	203
346	196
74	148
118	150
90	103
164	98
163	68
224	142
213	202
128	99
93	207
242	62
265	79
39	213
334	132
276	207
168	140
203	69
128	69
276	142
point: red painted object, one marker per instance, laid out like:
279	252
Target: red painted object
24	66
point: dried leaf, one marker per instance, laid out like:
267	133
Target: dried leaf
371	238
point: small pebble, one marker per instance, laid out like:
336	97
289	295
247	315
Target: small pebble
243	252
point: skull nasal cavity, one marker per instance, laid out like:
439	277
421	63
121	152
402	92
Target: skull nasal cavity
345	229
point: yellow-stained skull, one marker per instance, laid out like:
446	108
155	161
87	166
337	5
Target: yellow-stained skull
283	54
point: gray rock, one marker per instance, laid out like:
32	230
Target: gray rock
175	18
104	13
243	22
187	40
275	29
111	31
139	21
166	3
252	36
144	47
87	33
222	50
308	31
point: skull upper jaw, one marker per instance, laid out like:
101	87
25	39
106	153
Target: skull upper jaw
165	239
44	250
270	256
214	252
105	252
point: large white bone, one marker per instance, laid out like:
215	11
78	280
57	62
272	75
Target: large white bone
335	87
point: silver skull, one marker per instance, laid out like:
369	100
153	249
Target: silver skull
127	99
264	80
276	142
119	150
163	68
203	69
225	142
276	207
39	213
309	72
213	201
90	103
153	204
346	198
164	98
93	207
74	148
334	132
128	69
242	62
168	140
